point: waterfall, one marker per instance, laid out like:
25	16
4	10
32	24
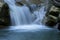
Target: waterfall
20	15
40	14
22	18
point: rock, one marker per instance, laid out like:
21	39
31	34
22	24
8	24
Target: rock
59	22
4	16
1	4
56	3
54	13
52	18
19	4
51	23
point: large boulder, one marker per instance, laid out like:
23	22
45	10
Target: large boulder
52	17
4	16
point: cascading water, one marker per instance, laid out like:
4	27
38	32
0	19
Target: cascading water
19	14
22	18
26	29
40	15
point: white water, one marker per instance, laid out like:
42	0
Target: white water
40	15
19	14
22	18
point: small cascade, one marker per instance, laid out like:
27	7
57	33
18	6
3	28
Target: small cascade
20	15
40	15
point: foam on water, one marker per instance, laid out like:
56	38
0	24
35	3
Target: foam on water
25	28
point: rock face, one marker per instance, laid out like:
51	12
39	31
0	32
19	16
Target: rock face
52	17
4	16
56	3
59	22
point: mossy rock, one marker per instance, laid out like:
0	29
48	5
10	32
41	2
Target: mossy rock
52	18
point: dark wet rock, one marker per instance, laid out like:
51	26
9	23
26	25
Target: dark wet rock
59	22
54	13
4	16
52	18
56	3
59	26
51	23
19	4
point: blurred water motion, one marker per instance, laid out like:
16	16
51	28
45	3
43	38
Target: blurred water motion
24	27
